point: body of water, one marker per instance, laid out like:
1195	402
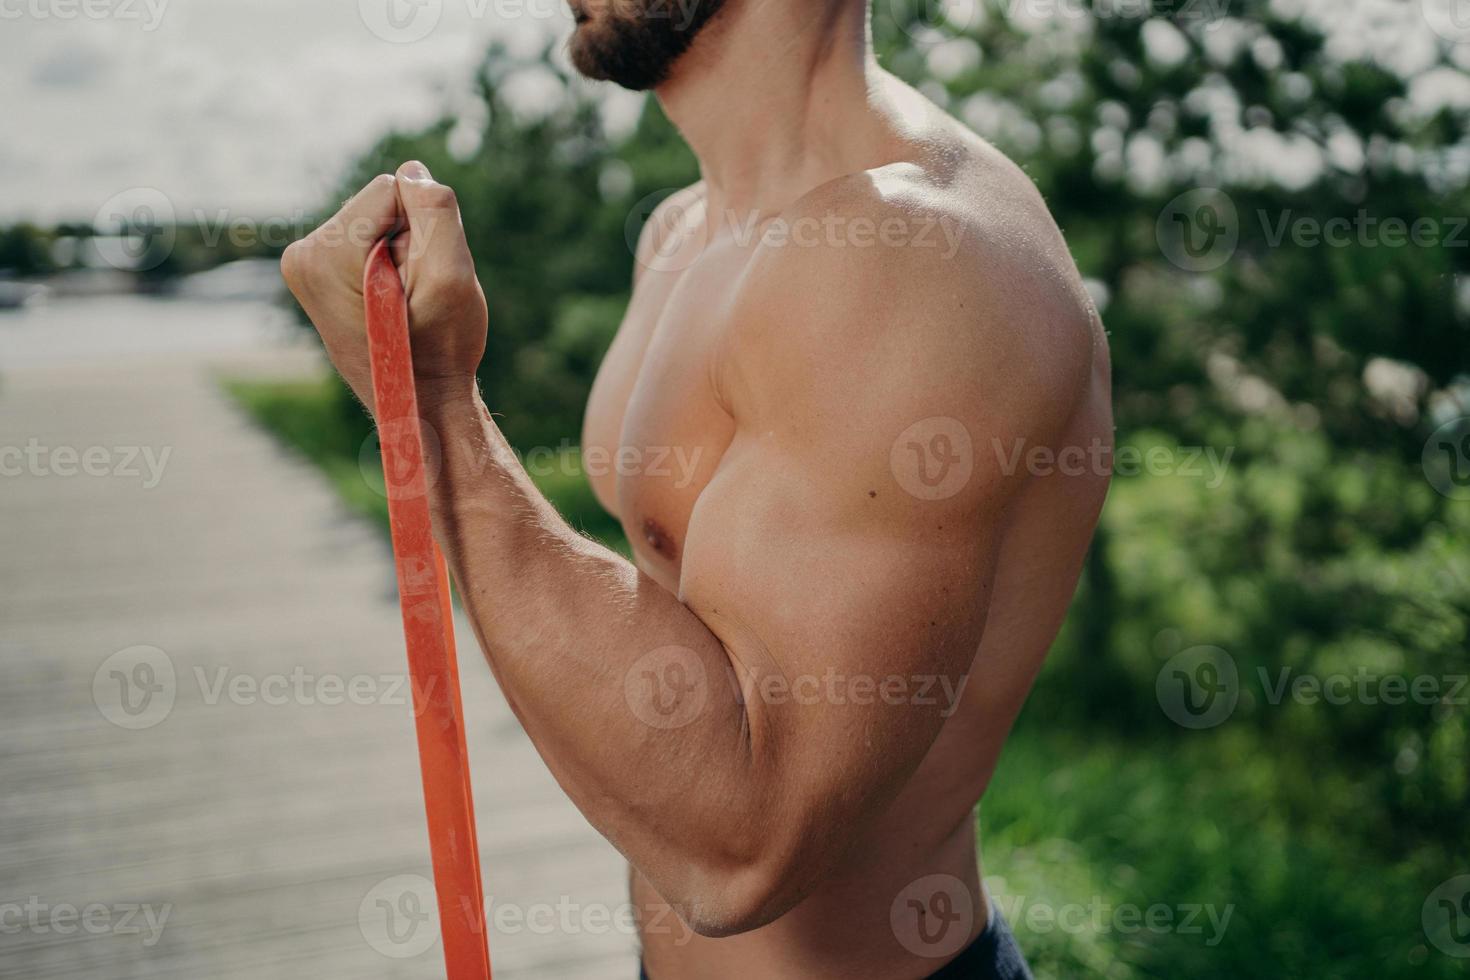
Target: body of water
73	330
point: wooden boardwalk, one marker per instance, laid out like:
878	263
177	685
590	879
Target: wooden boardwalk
207	766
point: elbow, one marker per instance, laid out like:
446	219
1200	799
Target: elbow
740	897
743	902
756	861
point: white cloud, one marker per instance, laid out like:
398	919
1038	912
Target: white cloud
252	105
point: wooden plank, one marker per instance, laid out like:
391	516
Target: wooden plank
262	828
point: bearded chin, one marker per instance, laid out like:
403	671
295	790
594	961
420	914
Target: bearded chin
638	51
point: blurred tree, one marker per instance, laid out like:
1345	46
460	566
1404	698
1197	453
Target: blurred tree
25	250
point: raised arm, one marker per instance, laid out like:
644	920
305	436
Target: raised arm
732	740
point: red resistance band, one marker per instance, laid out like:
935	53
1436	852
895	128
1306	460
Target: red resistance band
428	627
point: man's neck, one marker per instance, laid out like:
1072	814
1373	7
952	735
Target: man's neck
776	97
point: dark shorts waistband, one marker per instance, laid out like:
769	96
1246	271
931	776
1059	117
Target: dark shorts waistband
993	955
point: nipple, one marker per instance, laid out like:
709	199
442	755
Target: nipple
659	540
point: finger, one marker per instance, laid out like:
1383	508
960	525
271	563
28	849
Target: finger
432	212
400	247
373	213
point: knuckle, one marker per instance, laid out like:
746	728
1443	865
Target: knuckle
293	265
305	261
376	191
449	282
440	196
380	196
439	281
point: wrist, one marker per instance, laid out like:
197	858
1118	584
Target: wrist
446	398
470	469
454	422
460	439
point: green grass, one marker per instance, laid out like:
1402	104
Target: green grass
1095	822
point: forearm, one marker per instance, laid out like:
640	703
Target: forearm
622	687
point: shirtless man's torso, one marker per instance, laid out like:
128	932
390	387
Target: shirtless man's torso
670	385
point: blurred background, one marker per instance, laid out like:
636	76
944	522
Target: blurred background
1249	753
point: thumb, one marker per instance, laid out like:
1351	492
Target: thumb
436	233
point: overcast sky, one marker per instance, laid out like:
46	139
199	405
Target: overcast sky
257	106
251	105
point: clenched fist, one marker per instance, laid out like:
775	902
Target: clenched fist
446	307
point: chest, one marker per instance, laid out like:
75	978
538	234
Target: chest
656	424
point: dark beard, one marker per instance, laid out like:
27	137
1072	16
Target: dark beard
637	49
